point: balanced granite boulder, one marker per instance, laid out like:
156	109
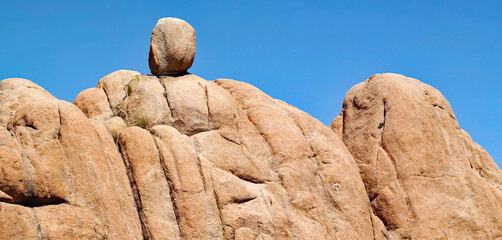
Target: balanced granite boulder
172	47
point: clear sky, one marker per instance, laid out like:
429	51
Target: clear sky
307	53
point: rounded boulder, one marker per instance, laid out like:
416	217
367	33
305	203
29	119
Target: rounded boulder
172	47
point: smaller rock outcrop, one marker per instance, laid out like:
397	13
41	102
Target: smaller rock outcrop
172	47
425	177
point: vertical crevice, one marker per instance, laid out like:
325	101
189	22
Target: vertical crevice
208	109
111	171
137	197
170	185
39	227
343	124
381	145
28	174
66	167
168	103
406	198
217	200
264	139
107	99
370	208
197	160
382	124
60	124
204	184
87	174
218	207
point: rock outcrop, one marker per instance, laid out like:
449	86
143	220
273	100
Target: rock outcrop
174	156
425	177
61	176
221	159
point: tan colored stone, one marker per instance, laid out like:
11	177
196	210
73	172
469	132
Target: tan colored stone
187	100
114	125
232	157
145	104
337	125
172	47
196	218
223	160
62	177
115	86
22	92
244	234
309	158
18	222
143	160
71	223
239	199
423	173
94	103
264	237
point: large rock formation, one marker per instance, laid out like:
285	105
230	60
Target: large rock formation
180	157
222	160
425	177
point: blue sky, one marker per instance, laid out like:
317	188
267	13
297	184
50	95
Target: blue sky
307	53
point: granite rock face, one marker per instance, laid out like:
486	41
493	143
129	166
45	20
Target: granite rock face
61	176
180	157
425	177
207	160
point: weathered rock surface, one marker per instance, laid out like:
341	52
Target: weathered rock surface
172	47
179	157
61	176
222	160
425	177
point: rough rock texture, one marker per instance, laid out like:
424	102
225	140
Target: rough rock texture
172	47
425	177
61	176
222	160
179	157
